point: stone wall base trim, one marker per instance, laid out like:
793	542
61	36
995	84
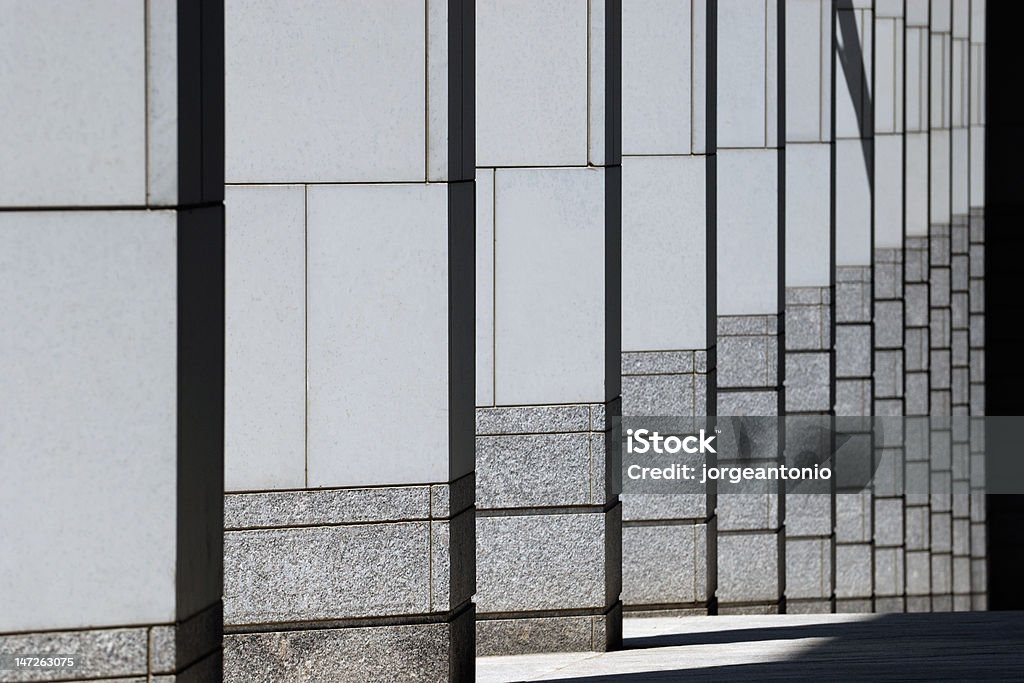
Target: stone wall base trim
354	622
531	633
124	651
812	606
436	651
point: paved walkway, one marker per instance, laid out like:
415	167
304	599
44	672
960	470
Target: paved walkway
925	647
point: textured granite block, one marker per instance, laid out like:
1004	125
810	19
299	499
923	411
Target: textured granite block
515	471
942	532
889	577
325	506
807	382
854	606
422	652
853	517
738	511
888	324
808	568
746	325
940	328
918	604
919	572
941	402
939	245
807	328
888	521
547	634
808	515
916	310
544	562
961	348
918	528
533	419
942	575
961	603
977	363
976	292
961	387
962	575
977	399
978	539
853	302
892	407
657	362
747	361
889	374
889	475
853	350
888	280
664	564
979	575
657	395
657	506
979	602
941	369
310	573
853	397
916	393
915	265
960	309
806	296
853	571
803	606
977	332
885	605
104	652
959	275
916	356
748	567
977	259
940	287
748	403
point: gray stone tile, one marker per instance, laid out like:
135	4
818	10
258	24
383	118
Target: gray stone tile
854	606
959	274
747	361
325	506
377	653
853	517
175	647
808	515
979	575
541	562
807	328
942	575
804	606
748	510
917	347
889	577
918	565
654	506
853	397
807	382
311	573
853	302
888	280
536	634
657	395
888	521
939	246
916	393
514	471
919	604
533	419
804	295
977	362
889	324
853	571
885	605
939	289
664	564
962	537
976	291
960	310
915	266
916	311
748	402
940	326
889	374
942	532
977	332
656	362
700	361
808	568
961	348
733	325
940	369
105	652
748	569
977	261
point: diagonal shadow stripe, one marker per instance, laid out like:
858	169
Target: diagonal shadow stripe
851	59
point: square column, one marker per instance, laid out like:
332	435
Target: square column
349	521
854	333
888	296
940	29
810	541
976	299
548	326
112	288
917	516
750	178
668	285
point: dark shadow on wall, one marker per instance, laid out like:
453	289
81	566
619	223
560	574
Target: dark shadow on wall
927	647
851	61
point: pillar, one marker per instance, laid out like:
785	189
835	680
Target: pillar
750	178
668	285
349	522
854	332
111	287
888	297
808	296
548	325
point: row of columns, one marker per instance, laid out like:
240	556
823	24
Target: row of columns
671	209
